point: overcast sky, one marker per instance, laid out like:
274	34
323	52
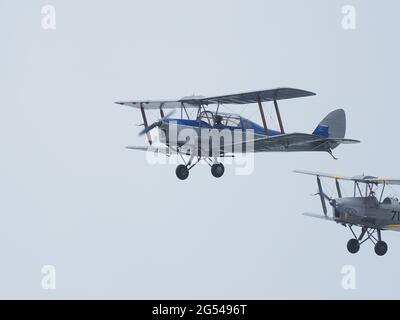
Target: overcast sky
114	226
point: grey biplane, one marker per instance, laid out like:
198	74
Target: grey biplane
328	135
368	209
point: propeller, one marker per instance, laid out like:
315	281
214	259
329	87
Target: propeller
156	124
324	197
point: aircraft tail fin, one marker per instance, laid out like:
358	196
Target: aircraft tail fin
333	125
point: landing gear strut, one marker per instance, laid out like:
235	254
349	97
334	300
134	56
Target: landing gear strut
353	246
182	171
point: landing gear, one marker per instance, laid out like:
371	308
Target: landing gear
182	172
381	248
354	244
217	170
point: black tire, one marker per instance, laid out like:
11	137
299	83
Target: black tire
217	170
353	246
381	248
182	172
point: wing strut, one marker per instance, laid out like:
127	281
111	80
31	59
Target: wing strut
184	108
263	116
146	125
162	111
321	195
383	190
278	115
339	192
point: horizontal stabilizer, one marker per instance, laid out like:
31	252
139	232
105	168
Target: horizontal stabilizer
342	141
297	140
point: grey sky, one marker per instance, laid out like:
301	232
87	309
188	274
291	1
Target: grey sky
116	227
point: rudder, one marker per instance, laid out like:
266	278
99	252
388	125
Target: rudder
333	125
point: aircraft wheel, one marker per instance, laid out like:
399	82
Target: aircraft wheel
353	246
381	248
218	170
182	172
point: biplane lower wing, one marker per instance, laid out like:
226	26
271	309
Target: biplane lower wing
184	150
187	151
392	227
285	142
162	150
317	216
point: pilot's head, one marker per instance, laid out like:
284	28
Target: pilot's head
218	119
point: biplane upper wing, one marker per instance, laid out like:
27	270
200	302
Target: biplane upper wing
253	97
238	98
362	178
155	104
386	181
298	140
324	175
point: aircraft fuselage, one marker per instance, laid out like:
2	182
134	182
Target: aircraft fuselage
368	212
209	139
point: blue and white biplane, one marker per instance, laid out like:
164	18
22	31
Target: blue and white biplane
194	136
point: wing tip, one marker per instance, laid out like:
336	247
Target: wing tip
303	171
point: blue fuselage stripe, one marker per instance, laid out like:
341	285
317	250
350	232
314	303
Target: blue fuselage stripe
202	124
